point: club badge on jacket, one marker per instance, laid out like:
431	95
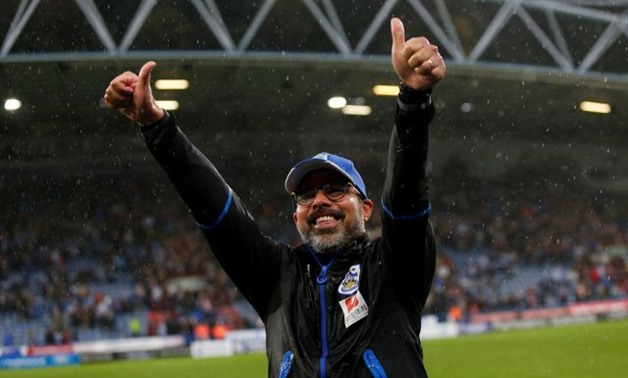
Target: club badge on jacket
354	306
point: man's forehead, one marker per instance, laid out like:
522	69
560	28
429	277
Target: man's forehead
321	176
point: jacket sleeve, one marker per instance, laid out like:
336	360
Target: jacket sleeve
406	228
250	259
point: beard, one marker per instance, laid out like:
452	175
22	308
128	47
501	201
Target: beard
330	241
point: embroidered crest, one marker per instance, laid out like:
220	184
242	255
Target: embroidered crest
354	308
350	283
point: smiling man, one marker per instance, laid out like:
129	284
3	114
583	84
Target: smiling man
339	304
330	202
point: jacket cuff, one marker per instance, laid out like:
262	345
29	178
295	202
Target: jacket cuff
157	125
411	99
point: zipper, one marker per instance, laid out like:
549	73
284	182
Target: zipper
321	280
373	364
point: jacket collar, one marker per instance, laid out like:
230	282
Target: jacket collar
343	257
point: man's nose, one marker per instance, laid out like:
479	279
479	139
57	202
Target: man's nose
320	196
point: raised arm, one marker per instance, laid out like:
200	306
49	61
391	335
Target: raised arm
406	197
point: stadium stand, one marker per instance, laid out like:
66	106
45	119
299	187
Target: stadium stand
112	264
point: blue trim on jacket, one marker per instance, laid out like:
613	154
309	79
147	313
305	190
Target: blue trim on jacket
222	214
420	214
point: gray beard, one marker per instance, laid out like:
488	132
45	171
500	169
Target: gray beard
327	243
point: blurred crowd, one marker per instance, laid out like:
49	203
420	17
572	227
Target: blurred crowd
60	247
527	240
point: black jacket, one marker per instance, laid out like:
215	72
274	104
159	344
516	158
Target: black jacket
357	314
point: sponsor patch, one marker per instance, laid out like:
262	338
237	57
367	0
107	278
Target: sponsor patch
354	308
350	283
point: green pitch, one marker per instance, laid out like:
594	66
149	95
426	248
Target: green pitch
592	350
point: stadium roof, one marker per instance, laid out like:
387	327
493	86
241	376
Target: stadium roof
260	75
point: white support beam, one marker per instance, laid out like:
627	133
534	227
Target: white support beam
94	18
545	21
22	15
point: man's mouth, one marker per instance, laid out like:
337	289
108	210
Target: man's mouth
327	222
324	219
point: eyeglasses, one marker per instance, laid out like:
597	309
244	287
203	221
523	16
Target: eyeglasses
334	191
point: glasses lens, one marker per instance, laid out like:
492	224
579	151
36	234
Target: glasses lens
306	196
335	191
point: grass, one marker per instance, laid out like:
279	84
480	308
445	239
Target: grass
591	350
245	365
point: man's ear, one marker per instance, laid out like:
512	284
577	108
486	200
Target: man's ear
367	208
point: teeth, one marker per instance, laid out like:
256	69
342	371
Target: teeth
324	219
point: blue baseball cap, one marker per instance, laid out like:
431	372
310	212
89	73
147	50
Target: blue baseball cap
324	160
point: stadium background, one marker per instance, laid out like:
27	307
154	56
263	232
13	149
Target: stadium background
528	191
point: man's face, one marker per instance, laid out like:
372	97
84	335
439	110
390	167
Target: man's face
326	224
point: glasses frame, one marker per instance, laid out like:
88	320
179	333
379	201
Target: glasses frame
325	188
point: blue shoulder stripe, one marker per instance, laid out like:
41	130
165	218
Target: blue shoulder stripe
222	215
420	214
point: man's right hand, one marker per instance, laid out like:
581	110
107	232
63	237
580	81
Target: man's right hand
133	96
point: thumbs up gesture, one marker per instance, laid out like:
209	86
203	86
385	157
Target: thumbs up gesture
416	61
132	95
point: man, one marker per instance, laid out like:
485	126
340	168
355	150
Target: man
339	305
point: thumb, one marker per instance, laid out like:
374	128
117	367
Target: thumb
145	71
144	109
398	33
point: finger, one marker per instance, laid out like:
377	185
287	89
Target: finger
120	90
433	68
425	68
419	50
123	82
115	100
434	62
398	33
